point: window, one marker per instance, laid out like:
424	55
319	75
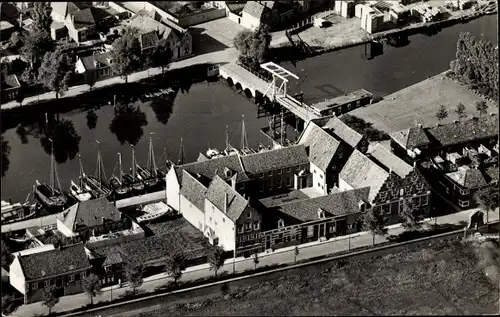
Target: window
46	283
261	175
270	185
223	219
279	183
270	173
401	192
256	225
249	215
83	275
240	228
349	226
34	285
425	200
248	226
107	268
289	169
261	187
310	231
280	171
464	191
341	155
314	171
321	176
281	223
416	201
333	228
463	203
288	181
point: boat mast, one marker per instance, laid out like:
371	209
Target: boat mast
244	140
181	153
120	165
51	180
133	161
281	128
81	170
151	157
227	138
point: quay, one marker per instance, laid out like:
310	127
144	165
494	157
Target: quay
142	199
256	87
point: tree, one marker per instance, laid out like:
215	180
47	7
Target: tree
36	45
65	139
365	128
127	124
256	259
20	96
7	256
8	304
29	76
487	199
5	155
126	55
296	253
254	47
374	222
161	55
22	134
92	287
410	215
482	107
216	259
442	113
42	19
50	297
56	71
460	111
175	263
91	119
133	273
162	107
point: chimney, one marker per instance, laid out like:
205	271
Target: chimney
73	18
233	183
225	202
102	220
419	125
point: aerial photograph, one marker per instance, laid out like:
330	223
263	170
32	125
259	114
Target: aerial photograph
250	158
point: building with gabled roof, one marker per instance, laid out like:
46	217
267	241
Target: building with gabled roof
63	267
10	87
254	14
95	67
381	154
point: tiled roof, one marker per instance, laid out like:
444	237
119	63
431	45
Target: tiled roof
235	7
337	204
10	81
254	9
65	8
343	131
468	177
54	262
148	39
208	169
201	158
89	62
450	133
359	171
216	193
90	213
145	24
115	257
492	173
389	160
322	146
193	190
83	18
275	159
150	13
4	25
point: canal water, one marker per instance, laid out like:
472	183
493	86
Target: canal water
200	114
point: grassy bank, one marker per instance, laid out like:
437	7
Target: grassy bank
444	278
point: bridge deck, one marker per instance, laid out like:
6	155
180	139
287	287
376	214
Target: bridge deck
246	78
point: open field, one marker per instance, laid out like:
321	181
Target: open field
443	279
419	103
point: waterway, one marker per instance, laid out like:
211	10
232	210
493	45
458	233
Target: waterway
200	115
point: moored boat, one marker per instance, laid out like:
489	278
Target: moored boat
136	185
154	211
12	212
78	193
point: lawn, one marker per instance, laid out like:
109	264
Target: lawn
419	103
447	278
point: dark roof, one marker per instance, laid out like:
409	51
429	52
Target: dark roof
148	39
10	81
193	190
275	159
145	24
208	169
96	61
54	262
65	8
114	257
8	11
450	133
90	213
83	18
322	146
343	131
235	7
492	173
389	160
216	194
359	171
468	177
337	204
255	9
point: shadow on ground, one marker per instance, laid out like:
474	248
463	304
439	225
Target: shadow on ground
204	43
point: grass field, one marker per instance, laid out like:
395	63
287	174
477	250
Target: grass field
419	103
446	278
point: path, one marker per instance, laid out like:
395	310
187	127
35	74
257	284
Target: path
280	256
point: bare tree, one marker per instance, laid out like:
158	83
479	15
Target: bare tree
460	111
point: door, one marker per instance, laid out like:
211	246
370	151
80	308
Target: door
179	51
322	229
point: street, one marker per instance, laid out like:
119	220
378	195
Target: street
285	255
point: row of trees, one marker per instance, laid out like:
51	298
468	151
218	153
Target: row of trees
443	113
476	64
254	47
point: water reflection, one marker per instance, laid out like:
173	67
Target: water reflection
162	108
65	138
22	134
128	122
5	155
91	119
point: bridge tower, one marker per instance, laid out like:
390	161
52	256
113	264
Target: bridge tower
279	75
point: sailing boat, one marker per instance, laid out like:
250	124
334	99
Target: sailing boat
76	191
47	194
150	172
133	180
162	171
229	150
12	212
244	141
96	184
117	183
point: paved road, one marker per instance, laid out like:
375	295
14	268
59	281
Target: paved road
285	255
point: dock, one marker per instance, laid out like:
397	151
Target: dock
255	86
141	199
40	222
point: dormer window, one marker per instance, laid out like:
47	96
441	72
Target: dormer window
110	60
281	223
227	172
321	214
361	205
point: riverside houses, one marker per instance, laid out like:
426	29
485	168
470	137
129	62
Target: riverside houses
34	269
390	179
458	158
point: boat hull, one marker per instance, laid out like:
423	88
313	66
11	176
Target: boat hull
50	198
